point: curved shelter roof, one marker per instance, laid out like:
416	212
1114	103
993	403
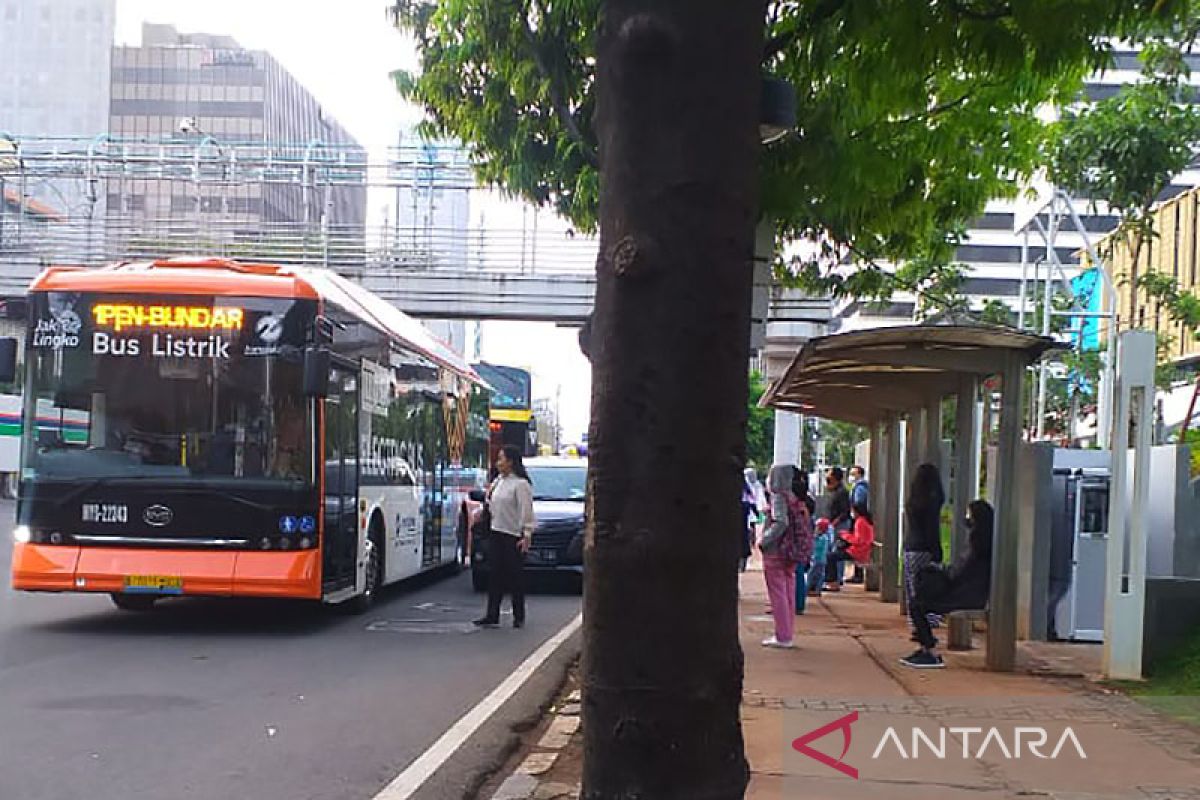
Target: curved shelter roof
866	376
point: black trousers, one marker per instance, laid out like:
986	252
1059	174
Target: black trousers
921	608
833	565
507	575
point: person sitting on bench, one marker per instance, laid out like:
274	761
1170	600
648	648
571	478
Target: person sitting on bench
854	546
966	585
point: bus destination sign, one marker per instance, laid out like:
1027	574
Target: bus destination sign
172	329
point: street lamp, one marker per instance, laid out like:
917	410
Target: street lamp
189	126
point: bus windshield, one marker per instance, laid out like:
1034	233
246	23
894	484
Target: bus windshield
167	386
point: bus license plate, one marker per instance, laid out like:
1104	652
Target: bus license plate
153	584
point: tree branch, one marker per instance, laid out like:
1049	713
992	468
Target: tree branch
777	44
814	16
989	15
940	108
942	302
561	109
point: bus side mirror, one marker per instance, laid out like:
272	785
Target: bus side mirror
316	372
8	360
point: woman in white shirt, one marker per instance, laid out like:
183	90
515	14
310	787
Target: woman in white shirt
510	501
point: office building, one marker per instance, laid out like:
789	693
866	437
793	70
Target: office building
54	66
992	250
209	93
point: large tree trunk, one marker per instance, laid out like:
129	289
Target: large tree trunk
678	93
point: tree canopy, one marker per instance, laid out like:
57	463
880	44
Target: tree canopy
911	115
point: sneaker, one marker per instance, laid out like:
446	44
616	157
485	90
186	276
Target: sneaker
484	622
518	623
923	659
832	587
773	642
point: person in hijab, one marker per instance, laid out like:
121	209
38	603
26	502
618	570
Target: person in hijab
782	546
751	489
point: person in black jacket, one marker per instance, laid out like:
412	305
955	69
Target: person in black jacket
966	585
839	522
922	525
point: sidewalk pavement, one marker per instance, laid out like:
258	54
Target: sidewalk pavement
845	676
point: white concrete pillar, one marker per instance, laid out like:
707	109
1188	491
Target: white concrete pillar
787	438
1128	523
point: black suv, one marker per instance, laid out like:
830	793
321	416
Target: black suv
559	490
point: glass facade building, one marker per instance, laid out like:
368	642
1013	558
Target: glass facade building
210	93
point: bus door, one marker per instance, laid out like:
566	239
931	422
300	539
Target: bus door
433	440
341	477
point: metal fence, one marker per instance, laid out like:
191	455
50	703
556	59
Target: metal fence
76	201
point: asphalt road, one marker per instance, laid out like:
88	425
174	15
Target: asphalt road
213	699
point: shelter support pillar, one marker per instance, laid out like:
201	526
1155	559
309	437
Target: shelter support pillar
1034	478
1002	611
877	475
932	445
914	456
889	512
966	459
1125	592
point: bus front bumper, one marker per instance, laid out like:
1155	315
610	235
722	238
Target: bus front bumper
61	568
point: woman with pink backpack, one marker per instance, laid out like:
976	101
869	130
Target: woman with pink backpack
786	543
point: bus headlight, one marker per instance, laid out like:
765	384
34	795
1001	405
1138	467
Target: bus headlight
22	534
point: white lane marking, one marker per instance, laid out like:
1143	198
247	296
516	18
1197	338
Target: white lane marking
405	785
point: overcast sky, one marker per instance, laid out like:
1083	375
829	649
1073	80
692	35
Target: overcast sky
343	53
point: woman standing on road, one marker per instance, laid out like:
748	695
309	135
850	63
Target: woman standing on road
510	503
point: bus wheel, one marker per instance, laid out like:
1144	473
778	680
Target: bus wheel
133	602
374	577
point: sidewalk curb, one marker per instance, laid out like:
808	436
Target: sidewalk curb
527	783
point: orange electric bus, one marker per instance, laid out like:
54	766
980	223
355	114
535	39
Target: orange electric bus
237	429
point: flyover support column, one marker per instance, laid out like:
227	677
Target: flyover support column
1002	612
966	460
787	438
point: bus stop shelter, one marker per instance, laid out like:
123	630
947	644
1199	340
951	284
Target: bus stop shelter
880	377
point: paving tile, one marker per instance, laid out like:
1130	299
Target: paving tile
516	787
537	763
559	734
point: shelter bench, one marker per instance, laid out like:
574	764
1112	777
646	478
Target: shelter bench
872	569
960	625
